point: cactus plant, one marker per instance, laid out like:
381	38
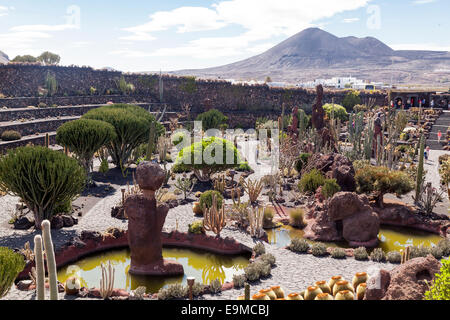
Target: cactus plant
344	295
40	271
361	291
260	296
278	291
360	277
294	296
419	176
312	292
151	141
342	285
247	291
50	256
268	292
214	218
324	296
323	285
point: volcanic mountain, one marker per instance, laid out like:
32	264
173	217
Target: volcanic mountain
314	53
3	58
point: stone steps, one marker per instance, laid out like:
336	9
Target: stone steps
37	139
442	124
28	128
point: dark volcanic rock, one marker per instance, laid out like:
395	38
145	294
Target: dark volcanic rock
23	223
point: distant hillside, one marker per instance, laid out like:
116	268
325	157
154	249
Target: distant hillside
4	59
314	53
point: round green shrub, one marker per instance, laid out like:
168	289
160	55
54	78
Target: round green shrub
338	253
84	137
360	253
319	249
179	137
206	199
201	157
43	178
212	119
330	187
299	245
259	249
394	257
132	127
378	255
11	135
302	161
268	258
11	264
311	181
351	99
244	167
336	111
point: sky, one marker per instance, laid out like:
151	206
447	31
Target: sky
150	35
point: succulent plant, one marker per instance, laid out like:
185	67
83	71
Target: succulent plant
268	292
323	285
338	253
437	252
361	291
312	292
294	296
378	255
333	281
299	245
319	249
344	295
445	246
361	253
278	291
324	296
260	296
394	257
360	277
268	258
239	280
342	285
259	249
215	286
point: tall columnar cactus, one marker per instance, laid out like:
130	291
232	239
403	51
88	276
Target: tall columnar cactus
51	262
419	177
151	140
47	140
247	291
40	271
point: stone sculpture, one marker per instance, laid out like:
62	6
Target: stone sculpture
145	222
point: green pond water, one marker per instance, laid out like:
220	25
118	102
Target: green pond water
391	238
204	266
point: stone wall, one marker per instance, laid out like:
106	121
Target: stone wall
74	85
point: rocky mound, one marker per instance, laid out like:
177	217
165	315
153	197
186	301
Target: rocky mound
346	217
406	282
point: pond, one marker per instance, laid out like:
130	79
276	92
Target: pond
204	266
391	238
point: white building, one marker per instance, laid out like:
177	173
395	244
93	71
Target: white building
342	83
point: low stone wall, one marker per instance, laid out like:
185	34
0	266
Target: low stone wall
38	140
74	86
37	126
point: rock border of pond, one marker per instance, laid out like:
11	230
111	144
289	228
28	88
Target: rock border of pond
91	242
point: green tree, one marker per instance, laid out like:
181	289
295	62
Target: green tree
43	178
351	99
212	119
25	59
11	264
336	111
49	58
381	180
84	137
132	126
207	157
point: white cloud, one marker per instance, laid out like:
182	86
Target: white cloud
44	28
423	1
3	11
261	20
350	20
186	19
421	46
